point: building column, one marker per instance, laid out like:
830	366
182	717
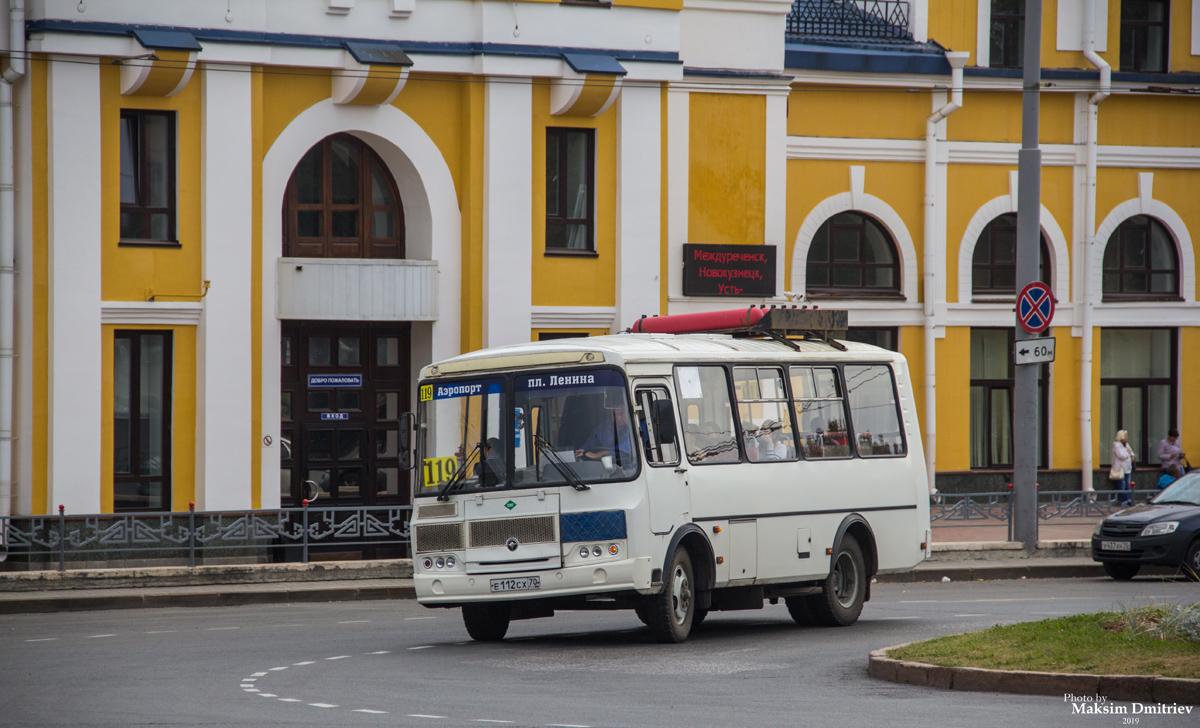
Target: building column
507	211
74	212
678	169
224	407
775	194
639	185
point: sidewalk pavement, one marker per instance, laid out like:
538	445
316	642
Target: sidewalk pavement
959	553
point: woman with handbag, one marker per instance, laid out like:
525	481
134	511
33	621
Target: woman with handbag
1122	467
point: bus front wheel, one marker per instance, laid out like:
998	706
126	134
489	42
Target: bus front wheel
845	588
487	622
671	613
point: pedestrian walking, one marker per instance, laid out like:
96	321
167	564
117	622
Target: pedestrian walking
1170	451
1122	467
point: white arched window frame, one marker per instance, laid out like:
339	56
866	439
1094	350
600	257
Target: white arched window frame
867	205
1060	271
1170	220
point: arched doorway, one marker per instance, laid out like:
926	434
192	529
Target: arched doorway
344	384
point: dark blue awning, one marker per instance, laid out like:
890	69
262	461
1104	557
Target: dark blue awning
378	54
166	40
813	57
586	63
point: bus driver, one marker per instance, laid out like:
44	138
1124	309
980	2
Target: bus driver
611	437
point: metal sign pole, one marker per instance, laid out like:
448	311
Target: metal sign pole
1029	202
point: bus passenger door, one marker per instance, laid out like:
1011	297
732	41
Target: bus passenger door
666	477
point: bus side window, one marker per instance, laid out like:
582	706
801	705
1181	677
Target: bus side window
872	394
820	412
659	441
763	413
709	437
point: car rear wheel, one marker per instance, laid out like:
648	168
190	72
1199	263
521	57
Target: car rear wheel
1121	572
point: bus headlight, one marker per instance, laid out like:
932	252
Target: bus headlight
583	552
596	551
440	562
449	562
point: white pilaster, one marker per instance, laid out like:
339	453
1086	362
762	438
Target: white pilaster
775	194
507	217
23	318
639	194
224	438
678	133
74	273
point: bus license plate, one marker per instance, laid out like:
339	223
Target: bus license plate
1104	546
528	582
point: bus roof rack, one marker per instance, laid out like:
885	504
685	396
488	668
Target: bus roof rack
778	323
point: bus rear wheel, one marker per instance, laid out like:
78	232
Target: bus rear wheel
671	613
487	622
845	588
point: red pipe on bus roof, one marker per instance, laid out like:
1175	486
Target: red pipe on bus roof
694	323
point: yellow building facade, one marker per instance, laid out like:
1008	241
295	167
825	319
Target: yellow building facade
240	231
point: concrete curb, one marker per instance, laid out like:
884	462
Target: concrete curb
1128	688
230	595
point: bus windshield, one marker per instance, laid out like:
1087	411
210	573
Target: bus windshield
579	428
462	434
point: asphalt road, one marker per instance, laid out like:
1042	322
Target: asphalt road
398	664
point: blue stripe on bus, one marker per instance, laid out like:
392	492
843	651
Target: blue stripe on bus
594	526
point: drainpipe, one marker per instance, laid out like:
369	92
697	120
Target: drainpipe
1089	242
933	227
15	70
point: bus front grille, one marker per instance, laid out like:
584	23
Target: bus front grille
438	537
534	529
437	510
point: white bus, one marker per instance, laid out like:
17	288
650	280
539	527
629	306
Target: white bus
671	474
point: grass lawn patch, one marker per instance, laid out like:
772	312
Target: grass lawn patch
1144	641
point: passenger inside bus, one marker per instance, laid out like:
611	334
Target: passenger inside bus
611	436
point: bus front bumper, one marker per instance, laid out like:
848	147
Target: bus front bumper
598	578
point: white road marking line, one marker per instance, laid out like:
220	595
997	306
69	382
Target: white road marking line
420	715
306	662
1014	599
290	625
249	679
323	705
98	636
410	619
291	700
163	631
250	690
489	720
422	647
339	657
276	669
43	639
356	621
368	710
567	725
267	695
970	615
247	685
258	674
220	629
381	652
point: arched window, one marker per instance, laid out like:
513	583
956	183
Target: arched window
852	254
1140	262
341	202
994	263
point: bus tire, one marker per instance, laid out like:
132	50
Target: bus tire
487	622
801	610
845	588
671	613
642	611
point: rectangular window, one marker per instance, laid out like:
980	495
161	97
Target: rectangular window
1137	389
147	177
885	337
1007	34
820	412
708	433
873	410
570	191
992	391
142	420
1144	33
763	412
653	407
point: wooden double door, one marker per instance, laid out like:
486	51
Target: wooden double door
344	386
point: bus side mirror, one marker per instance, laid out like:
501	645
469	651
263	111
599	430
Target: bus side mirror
408	422
664	421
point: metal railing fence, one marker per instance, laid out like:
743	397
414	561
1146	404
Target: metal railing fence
849	19
284	534
945	508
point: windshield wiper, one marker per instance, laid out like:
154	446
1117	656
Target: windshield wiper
458	476
568	474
